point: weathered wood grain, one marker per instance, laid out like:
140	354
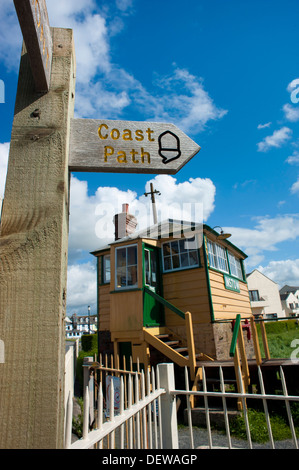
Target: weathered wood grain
35	27
128	147
33	257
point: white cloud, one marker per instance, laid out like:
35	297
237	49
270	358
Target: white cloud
293	159
263	126
90	35
4	151
291	112
185	102
276	140
295	187
82	288
284	272
124	5
178	196
91	217
265	236
105	89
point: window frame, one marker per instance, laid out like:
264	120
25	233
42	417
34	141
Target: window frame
214	253
179	253
213	249
126	287
251	296
104	280
235	259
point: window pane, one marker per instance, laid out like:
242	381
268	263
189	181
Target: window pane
184	259
121	257
126	266
254	295
153	269
190	243
221	258
146	267
166	249
182	246
235	266
211	254
132	276
121	277
132	255
175	261
193	256
106	269
174	248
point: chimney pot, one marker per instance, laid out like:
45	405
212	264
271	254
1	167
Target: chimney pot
125	223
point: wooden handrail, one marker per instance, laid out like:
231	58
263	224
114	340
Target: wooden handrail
189	328
256	345
237	351
190	344
165	302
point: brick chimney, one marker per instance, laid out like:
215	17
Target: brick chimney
125	223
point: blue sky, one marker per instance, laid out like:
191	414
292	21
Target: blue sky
226	72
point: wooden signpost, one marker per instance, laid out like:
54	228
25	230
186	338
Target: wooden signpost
33	252
34	22
128	147
35	218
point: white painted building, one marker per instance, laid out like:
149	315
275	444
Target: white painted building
290	300
76	326
264	296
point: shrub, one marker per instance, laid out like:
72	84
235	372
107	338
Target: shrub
89	342
89	345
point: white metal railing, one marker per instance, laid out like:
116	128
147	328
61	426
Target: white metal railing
138	419
147	417
243	396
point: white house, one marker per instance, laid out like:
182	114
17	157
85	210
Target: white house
76	326
287	289
264	296
290	300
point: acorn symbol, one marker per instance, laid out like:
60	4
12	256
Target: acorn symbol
169	147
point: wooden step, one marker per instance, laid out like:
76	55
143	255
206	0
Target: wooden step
172	343
180	350
161	337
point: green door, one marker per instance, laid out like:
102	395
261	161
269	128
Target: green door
153	311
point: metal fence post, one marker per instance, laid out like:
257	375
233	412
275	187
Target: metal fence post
168	407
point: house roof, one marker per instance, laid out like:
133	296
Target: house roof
286	295
169	228
287	289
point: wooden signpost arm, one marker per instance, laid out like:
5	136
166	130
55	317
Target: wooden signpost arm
33	256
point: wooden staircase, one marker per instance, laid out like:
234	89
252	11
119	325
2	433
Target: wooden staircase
181	352
175	348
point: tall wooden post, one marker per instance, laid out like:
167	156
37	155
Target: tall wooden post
33	256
